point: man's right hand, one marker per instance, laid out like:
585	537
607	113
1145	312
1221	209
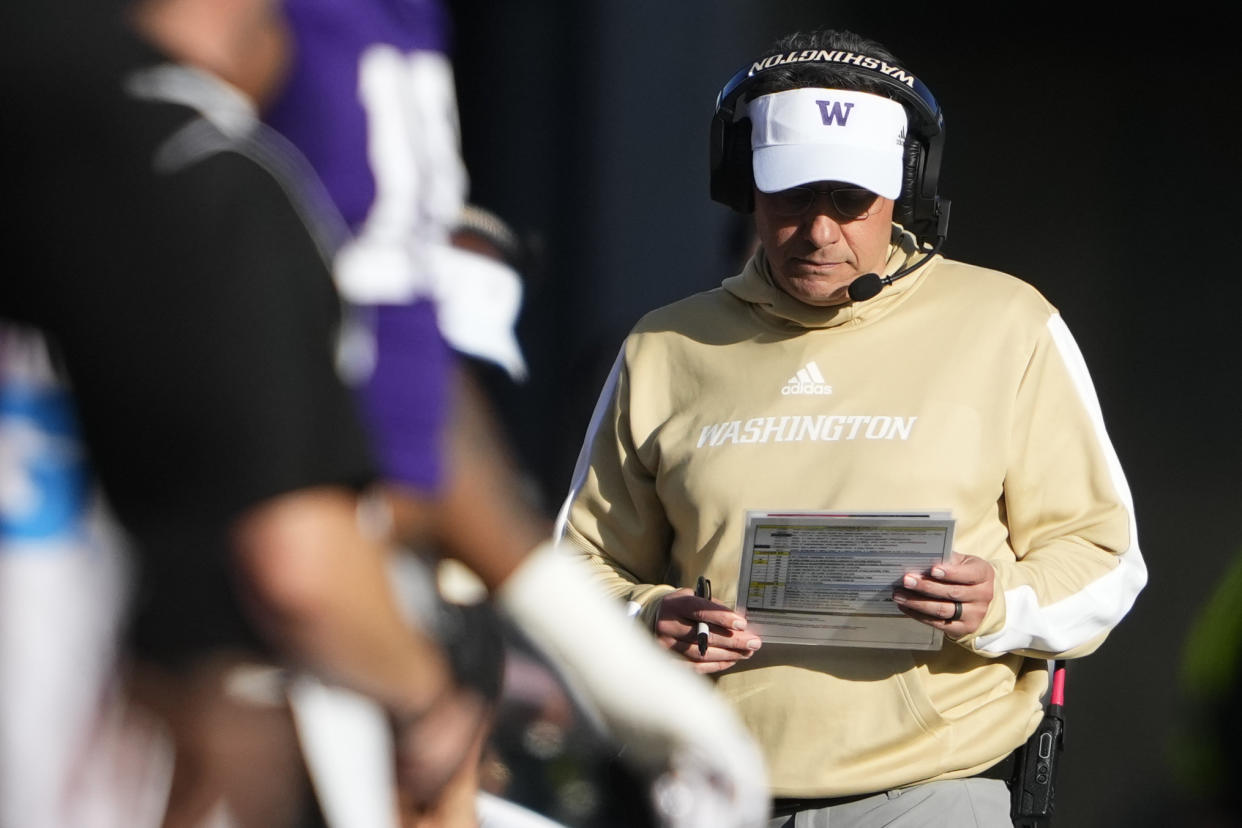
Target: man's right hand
728	642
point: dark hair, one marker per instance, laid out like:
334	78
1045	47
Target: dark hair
828	75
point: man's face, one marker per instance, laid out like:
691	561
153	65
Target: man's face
815	254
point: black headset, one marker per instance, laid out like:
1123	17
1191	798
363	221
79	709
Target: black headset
919	208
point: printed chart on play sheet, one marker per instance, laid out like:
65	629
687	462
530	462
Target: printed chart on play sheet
827	578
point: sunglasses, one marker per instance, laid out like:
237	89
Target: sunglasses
850	203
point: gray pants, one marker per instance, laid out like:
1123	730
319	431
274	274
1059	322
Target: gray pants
955	803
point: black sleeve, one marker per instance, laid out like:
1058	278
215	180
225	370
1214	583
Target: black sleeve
206	375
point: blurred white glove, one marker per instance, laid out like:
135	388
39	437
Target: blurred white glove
666	716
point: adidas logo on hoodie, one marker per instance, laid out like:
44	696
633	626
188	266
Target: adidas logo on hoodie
808	380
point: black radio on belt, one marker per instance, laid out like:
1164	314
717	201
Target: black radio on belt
1033	787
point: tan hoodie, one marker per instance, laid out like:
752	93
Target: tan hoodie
957	388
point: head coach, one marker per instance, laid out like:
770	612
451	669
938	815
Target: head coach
850	367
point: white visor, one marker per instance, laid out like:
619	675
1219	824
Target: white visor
805	135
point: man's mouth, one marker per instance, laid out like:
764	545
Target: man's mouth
811	263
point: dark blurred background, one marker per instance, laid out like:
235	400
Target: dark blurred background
1092	156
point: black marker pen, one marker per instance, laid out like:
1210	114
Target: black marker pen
703	589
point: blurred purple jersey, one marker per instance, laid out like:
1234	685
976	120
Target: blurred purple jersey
322	111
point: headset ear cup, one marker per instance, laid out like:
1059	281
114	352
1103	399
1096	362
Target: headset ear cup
718	158
732	179
742	171
904	212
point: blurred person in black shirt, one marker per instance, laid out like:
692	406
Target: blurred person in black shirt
185	298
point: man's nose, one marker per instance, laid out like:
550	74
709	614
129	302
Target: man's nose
821	227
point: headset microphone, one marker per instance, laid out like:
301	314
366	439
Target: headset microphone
868	285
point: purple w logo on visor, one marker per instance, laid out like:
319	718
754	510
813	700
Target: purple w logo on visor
833	112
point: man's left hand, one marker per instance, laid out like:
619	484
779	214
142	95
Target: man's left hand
933	597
